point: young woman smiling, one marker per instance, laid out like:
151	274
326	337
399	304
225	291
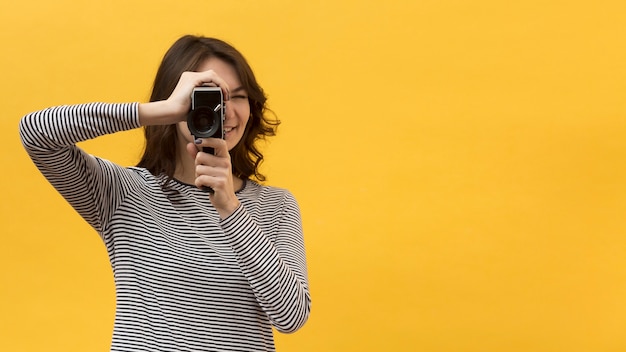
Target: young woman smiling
194	271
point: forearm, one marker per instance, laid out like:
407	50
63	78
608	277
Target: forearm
276	270
63	126
159	113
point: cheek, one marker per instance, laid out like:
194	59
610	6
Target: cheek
242	114
246	117
245	113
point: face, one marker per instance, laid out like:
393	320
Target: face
237	108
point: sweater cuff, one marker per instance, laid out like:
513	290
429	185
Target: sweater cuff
231	220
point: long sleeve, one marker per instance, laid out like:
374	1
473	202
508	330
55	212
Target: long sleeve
91	185
275	265
184	278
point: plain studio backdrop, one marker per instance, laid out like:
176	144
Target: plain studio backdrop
460	165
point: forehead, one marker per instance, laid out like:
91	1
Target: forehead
223	69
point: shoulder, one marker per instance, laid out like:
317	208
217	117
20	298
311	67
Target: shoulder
142	172
267	198
259	191
142	177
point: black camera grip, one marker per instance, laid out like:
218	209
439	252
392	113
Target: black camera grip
212	152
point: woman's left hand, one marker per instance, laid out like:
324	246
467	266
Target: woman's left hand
215	171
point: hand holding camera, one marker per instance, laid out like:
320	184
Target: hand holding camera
177	105
215	170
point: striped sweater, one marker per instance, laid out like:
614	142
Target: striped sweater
185	279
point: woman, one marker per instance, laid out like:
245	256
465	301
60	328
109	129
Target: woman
194	271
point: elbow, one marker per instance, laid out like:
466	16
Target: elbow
23	128
33	135
26	129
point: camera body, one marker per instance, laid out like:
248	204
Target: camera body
206	117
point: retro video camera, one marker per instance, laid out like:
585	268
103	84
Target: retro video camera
206	117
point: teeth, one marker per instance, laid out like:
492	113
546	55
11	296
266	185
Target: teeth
228	129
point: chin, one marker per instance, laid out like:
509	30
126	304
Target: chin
232	140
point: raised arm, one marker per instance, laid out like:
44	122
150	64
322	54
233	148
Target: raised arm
89	184
92	185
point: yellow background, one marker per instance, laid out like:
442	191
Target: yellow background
460	165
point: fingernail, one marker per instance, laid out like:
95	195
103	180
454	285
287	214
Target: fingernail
198	141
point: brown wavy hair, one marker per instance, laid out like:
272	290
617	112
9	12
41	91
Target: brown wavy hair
187	54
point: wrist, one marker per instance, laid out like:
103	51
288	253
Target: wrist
158	113
228	209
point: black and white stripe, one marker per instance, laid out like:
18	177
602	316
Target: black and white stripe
185	280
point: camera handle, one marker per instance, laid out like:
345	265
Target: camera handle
211	151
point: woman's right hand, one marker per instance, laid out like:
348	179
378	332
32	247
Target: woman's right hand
176	107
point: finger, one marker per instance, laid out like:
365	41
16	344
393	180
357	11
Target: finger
206	159
217	166
219	146
213	79
204	182
218	184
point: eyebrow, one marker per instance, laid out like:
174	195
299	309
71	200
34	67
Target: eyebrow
238	89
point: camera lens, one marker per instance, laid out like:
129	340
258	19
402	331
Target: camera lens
203	122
